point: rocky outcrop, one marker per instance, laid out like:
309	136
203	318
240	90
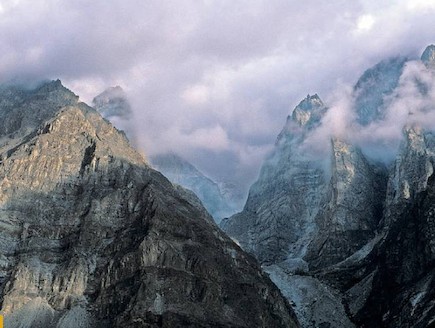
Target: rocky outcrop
403	261
93	237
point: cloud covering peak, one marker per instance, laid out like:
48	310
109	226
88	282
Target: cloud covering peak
212	80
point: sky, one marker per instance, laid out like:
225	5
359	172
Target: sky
212	80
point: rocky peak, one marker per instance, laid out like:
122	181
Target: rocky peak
428	56
23	109
305	117
309	111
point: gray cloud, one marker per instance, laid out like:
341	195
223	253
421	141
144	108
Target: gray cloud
213	80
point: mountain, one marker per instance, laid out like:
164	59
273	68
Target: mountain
278	217
181	172
347	239
92	236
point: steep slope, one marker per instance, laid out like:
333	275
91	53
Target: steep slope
93	237
183	173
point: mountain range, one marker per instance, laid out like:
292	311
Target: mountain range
335	232
348	235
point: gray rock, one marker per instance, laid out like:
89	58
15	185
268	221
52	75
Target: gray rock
352	209
374	86
428	56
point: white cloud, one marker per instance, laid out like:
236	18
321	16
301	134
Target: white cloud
213	76
196	95
421	5
365	23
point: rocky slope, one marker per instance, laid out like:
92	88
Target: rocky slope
93	237
344	227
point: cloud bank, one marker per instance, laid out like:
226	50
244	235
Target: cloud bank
212	80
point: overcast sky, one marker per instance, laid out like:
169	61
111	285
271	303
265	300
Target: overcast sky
214	79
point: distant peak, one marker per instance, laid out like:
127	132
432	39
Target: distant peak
428	56
113	102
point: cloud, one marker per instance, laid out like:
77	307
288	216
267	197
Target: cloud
411	103
212	79
365	23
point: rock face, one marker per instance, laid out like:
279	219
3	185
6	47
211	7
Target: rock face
428	56
181	172
374	85
93	237
354	234
352	209
403	262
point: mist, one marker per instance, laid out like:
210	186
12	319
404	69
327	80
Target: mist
411	103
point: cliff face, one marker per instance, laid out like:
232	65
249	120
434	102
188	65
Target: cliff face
93	237
402	263
352	207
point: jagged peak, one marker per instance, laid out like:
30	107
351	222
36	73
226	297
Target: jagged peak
428	56
309	111
310	102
